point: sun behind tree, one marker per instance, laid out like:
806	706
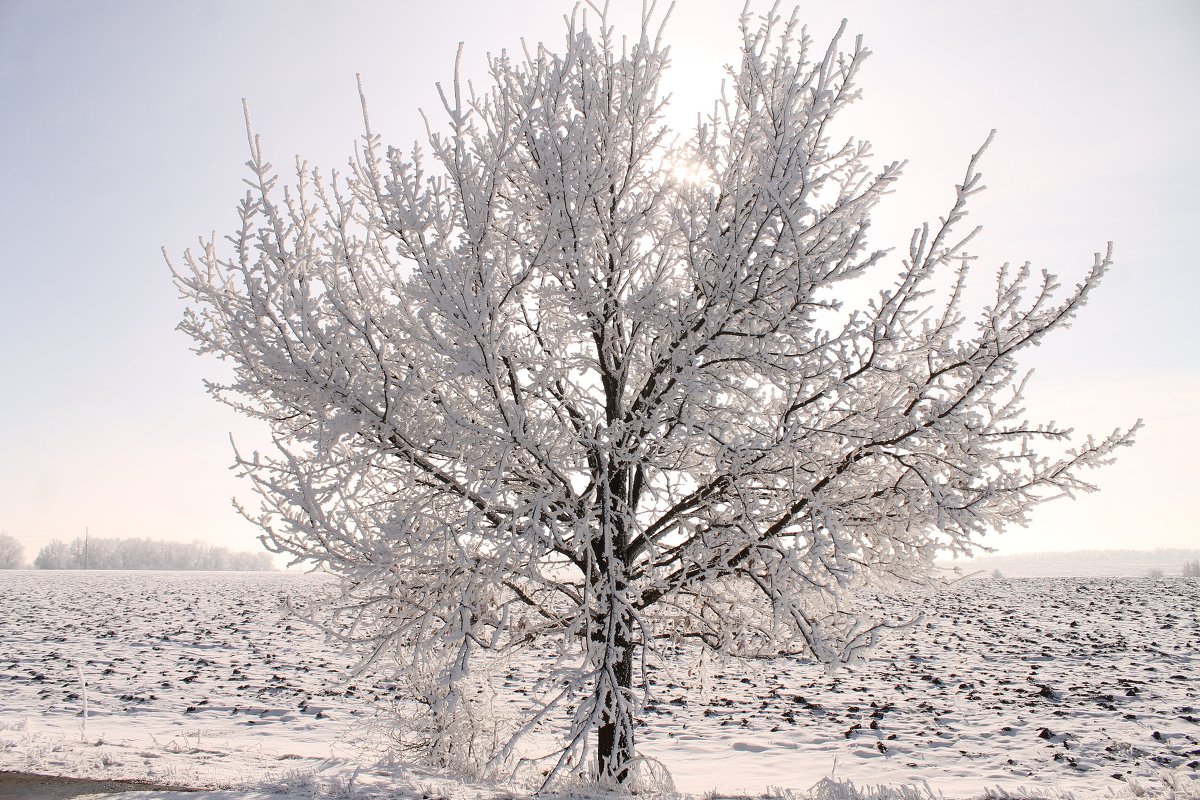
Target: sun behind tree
545	389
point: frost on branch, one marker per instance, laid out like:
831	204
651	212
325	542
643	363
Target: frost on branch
532	384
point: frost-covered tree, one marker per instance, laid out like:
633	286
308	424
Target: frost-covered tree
56	555
12	552
562	377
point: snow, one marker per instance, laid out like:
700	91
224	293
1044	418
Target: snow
200	679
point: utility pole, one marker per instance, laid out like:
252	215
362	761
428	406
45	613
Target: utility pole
85	548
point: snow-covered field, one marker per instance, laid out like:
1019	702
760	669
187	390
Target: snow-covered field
1085	685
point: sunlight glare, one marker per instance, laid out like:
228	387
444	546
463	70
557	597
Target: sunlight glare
688	171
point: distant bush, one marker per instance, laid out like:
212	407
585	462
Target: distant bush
146	554
1191	569
12	554
1154	573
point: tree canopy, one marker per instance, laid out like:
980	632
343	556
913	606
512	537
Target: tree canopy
12	552
562	376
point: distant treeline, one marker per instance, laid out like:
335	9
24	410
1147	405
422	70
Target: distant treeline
1089	563
146	554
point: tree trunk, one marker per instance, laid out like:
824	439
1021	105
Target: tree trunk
614	740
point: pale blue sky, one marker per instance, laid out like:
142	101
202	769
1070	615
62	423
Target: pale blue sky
122	133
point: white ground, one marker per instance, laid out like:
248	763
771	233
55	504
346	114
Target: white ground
1082	685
